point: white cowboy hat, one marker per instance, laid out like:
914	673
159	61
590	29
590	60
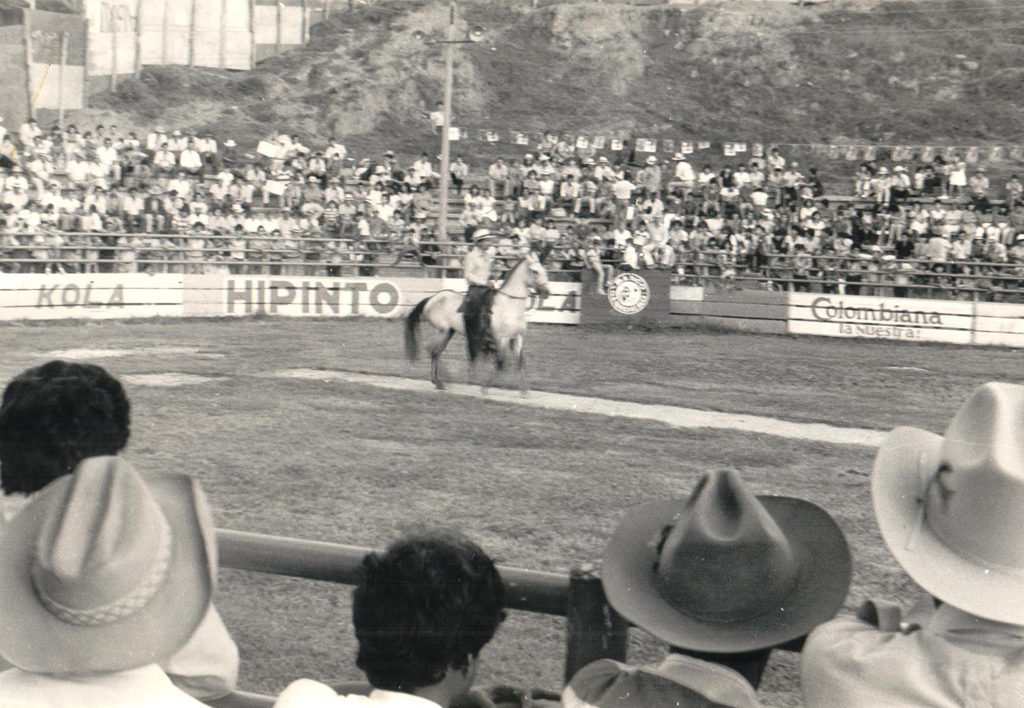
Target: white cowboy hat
106	570
483	235
950	506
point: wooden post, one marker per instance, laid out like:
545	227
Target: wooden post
327	10
593	629
60	78
138	39
305	21
277	38
223	56
192	34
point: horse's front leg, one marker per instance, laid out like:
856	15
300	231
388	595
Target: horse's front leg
502	354
519	356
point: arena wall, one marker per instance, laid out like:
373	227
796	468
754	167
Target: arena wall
26	296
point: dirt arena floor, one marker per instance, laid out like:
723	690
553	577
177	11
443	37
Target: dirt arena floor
321	430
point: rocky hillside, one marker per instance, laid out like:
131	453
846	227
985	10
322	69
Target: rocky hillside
929	72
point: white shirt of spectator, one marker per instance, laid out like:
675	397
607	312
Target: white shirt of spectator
190	159
684	172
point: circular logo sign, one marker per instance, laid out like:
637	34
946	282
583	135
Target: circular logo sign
628	293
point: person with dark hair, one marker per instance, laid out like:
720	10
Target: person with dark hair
55	417
422	612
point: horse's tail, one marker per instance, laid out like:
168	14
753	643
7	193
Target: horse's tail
412	325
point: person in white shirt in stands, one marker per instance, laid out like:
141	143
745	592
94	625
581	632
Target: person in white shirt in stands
422	613
190	160
949	508
164	160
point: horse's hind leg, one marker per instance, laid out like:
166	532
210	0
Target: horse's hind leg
435	358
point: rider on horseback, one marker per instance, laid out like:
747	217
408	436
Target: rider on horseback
476	308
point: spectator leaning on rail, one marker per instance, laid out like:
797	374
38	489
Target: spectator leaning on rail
422	613
949	508
54	417
723	577
105	574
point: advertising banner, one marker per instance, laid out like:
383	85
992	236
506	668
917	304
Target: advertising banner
894	318
89	296
633	298
1000	324
297	296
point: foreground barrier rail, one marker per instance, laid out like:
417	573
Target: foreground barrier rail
593	629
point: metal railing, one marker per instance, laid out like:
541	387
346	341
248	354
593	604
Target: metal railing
593	629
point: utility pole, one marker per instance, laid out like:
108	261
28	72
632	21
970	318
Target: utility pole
449	70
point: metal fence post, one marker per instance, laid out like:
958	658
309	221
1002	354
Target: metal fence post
594	630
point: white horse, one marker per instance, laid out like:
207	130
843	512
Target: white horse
508	320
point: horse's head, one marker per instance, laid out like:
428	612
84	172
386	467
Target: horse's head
538	277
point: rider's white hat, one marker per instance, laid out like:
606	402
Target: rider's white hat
481	235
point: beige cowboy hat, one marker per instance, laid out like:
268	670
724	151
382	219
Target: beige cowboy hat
609	684
106	570
784	562
950	506
481	235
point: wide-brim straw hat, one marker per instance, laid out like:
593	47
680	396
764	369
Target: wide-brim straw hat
106	570
725	571
683	681
951	507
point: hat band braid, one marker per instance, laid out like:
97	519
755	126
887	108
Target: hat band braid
124	606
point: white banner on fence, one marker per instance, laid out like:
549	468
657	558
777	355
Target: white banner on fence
998	323
833	315
561	306
89	296
297	296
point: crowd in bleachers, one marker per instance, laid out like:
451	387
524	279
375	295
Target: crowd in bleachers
107	576
109	201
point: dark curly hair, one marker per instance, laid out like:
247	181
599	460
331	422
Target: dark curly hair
430	602
55	415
